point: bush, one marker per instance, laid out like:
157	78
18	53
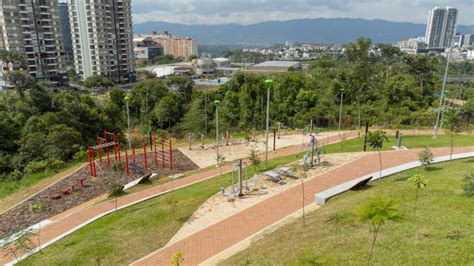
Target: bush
469	185
36	167
118	167
37	207
116	190
426	157
80	156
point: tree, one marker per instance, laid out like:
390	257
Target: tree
193	120
21	80
167	110
253	156
72	75
40	99
420	182
426	157
376	212
23	244
97	81
376	140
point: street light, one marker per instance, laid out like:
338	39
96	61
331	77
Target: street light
217	102
340	110
438	115
444	108
269	84
127	100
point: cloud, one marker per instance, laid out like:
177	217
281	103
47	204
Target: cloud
254	11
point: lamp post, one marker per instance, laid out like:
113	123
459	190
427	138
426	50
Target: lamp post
269	84
443	109
438	116
216	102
127	100
340	110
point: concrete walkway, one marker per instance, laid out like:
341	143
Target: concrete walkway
74	221
229	232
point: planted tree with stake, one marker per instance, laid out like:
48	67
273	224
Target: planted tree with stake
376	141
253	156
420	182
377	211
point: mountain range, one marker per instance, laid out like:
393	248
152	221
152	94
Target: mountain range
320	30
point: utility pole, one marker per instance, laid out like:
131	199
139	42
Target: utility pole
340	110
269	83
438	116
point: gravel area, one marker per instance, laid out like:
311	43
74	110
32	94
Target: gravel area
41	206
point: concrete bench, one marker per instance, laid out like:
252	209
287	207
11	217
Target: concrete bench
325	195
275	177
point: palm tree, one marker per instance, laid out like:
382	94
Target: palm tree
376	212
376	140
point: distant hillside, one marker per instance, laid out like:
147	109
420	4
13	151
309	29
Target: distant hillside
340	30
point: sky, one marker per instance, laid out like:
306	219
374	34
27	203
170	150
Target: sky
254	11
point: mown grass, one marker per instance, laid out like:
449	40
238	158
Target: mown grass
409	141
442	234
131	233
8	187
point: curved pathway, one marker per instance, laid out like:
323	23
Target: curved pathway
221	236
67	224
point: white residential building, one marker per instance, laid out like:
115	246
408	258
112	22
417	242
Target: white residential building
102	38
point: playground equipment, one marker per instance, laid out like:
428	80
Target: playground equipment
308	158
190	137
237	189
110	141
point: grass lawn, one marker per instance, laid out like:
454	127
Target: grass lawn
418	141
131	233
443	234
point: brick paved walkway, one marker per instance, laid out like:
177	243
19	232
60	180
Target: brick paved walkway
68	224
218	237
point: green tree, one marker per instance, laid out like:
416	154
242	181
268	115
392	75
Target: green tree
97	81
21	80
167	110
376	141
377	211
40	99
193	120
420	182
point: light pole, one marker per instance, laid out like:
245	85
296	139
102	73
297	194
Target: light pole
340	110
443	109
216	102
127	100
438	116
269	84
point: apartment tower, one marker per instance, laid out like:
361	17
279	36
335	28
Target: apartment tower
32	28
441	27
102	38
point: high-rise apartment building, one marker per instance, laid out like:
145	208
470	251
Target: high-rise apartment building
66	32
176	46
32	28
102	38
441	27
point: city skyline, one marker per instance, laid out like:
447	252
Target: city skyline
252	11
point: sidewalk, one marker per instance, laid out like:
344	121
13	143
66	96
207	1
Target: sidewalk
218	237
68	224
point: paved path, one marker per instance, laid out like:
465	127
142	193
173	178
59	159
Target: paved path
70	223
220	236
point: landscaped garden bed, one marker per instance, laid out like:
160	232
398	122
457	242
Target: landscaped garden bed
69	192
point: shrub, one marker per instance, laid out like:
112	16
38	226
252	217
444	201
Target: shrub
118	167
116	190
37	207
426	157
469	185
80	156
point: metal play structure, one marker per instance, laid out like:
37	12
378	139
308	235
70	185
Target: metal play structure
238	188
162	153
311	149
